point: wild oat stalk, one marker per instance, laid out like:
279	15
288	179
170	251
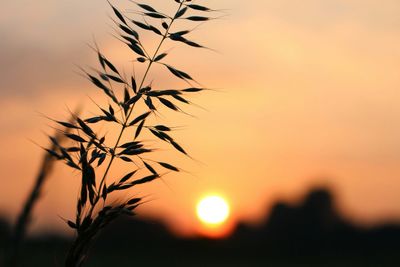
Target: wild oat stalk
92	150
24	217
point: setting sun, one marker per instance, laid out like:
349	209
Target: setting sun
213	210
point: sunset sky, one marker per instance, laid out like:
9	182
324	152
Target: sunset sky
308	95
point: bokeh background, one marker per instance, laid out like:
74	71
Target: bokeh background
307	96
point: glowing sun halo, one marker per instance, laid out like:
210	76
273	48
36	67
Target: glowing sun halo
213	210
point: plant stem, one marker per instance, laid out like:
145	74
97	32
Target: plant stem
124	126
77	254
25	216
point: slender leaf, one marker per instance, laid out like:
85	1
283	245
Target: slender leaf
169	166
139	118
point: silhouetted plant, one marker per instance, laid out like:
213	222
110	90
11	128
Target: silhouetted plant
93	212
24	217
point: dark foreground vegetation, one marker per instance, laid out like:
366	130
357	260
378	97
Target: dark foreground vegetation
308	234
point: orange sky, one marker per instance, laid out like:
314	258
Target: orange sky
309	95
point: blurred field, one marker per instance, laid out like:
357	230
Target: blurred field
310	233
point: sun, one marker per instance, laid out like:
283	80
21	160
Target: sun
213	210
